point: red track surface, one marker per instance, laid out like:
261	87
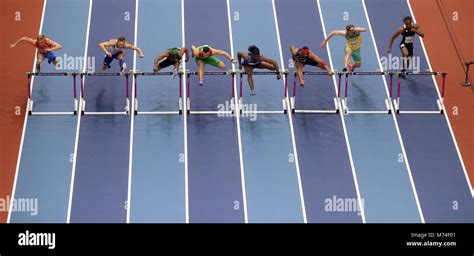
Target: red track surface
13	65
447	43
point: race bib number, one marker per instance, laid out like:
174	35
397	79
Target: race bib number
409	39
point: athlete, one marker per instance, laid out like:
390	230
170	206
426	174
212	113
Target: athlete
205	55
304	57
45	47
253	59
114	49
353	44
408	32
170	57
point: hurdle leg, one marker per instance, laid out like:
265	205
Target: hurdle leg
83	101
293	98
440	101
284	101
30	101
135	89
396	101
344	101
180	103
232	100
75	94
241	93
188	100
127	100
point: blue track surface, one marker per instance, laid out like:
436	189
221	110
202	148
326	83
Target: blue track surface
100	188
270	174
322	151
325	143
45	167
215	185
158	182
376	164
435	164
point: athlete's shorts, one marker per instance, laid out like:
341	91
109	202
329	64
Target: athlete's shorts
409	48
50	56
310	62
108	60
166	63
252	65
211	60
356	56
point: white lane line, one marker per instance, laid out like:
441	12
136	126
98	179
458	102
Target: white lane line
300	185
74	164
237	115
412	182
132	119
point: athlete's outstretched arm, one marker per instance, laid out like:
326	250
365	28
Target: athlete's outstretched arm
293	51
360	29
419	31
135	48
224	53
395	35
194	50
105	44
333	33
240	56
23	39
184	51
56	46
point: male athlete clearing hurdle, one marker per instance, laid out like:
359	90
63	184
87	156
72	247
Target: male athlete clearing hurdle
170	57
353	44
408	32
45	47
114	49
205	55
253	59
304	57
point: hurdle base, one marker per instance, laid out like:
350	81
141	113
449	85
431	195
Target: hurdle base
439	111
30	104
388	106
285	107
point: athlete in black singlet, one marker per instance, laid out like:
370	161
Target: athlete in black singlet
408	32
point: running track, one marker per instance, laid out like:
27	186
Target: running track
204	168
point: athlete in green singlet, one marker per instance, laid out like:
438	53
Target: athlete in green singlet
205	55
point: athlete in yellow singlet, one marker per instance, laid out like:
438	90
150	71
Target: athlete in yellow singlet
353	44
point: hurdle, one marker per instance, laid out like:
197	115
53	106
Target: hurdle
209	73
30	101
284	110
439	101
127	98
135	88
313	111
344	102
